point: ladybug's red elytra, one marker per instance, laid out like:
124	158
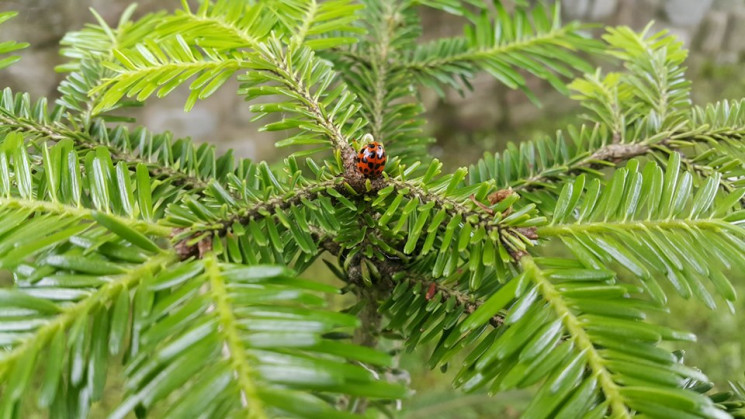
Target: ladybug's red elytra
371	160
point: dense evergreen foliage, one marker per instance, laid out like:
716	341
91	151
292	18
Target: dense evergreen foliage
538	264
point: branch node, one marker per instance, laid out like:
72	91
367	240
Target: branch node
499	195
481	205
184	250
529	232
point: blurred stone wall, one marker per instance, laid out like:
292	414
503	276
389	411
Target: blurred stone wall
714	29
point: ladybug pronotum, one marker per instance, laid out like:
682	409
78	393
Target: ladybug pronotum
371	160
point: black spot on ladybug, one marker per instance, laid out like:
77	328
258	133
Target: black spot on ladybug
371	165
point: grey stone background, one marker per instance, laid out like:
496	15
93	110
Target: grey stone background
713	29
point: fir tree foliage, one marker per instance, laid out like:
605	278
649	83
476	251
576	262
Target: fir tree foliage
7	47
184	265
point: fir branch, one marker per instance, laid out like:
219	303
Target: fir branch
228	328
387	95
608	155
87	141
220	332
393	270
611	154
634	226
205	25
500	49
88	50
309	16
293	81
316	24
71	212
244	214
467	300
9	46
650	221
577	334
380	63
476	215
453	206
475	55
162	67
704	172
70	314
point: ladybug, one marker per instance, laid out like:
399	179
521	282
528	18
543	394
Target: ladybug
371	160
